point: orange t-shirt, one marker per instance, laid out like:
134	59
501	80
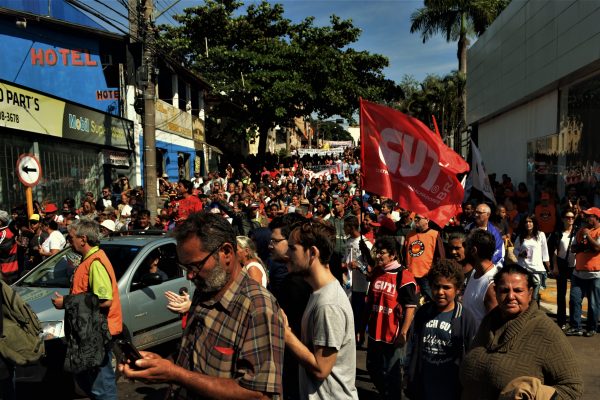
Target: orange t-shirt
588	260
546	217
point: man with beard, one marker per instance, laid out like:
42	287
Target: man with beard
233	343
326	350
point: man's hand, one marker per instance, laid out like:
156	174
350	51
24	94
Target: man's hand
178	304
58	301
401	339
151	367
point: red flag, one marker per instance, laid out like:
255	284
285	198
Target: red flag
403	160
435	125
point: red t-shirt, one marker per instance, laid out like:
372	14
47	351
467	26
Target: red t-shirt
186	206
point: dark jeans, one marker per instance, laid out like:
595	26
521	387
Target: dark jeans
581	288
7	383
385	363
423	283
564	275
99	383
358	301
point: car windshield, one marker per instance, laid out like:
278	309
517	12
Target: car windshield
58	270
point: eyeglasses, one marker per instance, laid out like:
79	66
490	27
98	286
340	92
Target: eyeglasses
198	265
273	242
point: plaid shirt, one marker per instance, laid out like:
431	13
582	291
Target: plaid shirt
237	336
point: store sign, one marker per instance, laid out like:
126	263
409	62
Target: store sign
173	120
69	66
116	158
30	111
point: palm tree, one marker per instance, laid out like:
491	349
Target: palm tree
457	20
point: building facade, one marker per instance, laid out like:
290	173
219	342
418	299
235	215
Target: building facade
70	95
534	95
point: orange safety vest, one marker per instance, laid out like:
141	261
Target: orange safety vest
420	249
588	260
81	283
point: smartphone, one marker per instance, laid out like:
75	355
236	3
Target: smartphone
129	351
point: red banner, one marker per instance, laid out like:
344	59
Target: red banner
402	159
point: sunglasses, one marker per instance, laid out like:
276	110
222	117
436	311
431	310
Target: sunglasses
197	266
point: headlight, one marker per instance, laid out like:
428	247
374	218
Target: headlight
52	330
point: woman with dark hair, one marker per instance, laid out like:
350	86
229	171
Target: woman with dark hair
531	250
518	346
563	262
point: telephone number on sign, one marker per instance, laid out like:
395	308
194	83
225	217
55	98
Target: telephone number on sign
9	117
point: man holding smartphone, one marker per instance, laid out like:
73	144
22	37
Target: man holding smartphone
233	343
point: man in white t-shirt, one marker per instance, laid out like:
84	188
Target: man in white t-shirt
479	296
327	348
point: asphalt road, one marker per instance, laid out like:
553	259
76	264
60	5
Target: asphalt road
587	351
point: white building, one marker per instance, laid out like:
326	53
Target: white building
534	94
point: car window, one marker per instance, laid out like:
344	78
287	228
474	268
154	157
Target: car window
162	261
55	271
120	256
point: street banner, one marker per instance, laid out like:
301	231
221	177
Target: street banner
404	160
478	178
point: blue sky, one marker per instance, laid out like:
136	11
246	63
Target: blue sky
385	26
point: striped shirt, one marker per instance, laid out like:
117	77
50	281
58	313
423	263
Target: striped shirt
237	336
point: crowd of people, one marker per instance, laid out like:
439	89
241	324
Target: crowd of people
296	267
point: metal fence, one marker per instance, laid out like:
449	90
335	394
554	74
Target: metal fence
68	170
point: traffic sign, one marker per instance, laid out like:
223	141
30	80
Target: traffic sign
29	170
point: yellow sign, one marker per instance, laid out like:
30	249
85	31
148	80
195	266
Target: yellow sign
29	111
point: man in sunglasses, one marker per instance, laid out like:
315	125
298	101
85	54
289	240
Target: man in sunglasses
233	344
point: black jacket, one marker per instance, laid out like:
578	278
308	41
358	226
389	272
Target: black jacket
86	332
463	328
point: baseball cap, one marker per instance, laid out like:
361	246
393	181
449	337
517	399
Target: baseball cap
50	208
34	217
109	224
593	211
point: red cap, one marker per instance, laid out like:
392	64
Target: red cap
593	211
50	208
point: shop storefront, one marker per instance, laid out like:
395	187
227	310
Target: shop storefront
80	149
570	158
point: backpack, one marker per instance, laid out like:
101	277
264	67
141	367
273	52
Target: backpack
21	341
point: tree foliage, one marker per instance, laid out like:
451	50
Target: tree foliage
270	70
435	96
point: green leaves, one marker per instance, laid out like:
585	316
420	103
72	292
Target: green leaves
289	70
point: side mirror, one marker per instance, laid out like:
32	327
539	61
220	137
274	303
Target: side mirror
150	279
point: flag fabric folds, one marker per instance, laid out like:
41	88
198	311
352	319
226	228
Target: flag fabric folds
478	178
404	160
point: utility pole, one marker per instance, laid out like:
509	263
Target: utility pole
147	74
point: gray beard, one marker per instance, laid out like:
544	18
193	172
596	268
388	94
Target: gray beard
214	282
